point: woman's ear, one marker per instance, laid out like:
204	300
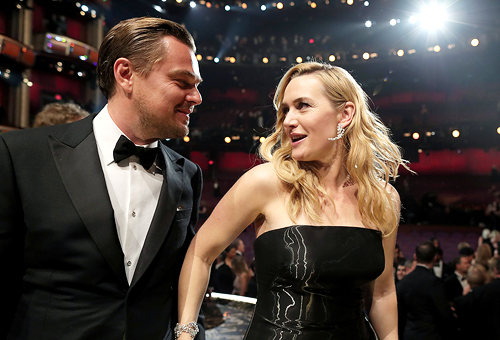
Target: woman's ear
348	112
123	75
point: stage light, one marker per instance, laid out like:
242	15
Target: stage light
232	60
401	53
331	58
311	41
415	135
265	60
413	19
428	133
313	5
209	4
366	56
262	139
366	3
474	42
187	139
199	57
406	134
279	5
350	2
433	16
227	8
368	23
498	130
298	60
263	8
292	3
455	133
244	6
192	4
227	140
437	48
393	22
216	60
85	8
178	1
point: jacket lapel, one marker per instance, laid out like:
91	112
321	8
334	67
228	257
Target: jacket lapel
171	190
77	161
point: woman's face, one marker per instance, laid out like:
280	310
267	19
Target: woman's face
310	119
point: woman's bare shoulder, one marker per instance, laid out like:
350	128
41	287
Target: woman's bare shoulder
392	192
262	175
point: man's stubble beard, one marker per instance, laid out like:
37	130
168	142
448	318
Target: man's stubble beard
153	127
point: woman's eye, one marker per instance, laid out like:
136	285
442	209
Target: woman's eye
302	105
285	110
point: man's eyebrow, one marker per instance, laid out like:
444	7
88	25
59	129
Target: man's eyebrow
176	73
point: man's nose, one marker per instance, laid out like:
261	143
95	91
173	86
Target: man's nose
194	97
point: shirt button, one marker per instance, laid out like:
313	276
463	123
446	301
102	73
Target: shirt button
129	263
134	166
133	213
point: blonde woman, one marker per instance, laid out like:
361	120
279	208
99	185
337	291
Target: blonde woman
242	273
325	215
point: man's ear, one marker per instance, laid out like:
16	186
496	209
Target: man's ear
347	114
123	71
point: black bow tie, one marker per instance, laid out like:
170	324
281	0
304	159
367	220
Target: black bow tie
125	148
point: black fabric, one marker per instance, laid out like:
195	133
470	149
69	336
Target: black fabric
125	148
311	282
65	277
423	311
224	279
479	312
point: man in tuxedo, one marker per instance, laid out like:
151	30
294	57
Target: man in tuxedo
479	311
454	284
423	311
96	215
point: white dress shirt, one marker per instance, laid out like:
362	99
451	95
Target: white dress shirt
133	191
438	269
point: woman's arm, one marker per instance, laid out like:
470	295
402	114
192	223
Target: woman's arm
384	311
244	278
243	203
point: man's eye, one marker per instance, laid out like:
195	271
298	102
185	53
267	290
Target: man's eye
184	84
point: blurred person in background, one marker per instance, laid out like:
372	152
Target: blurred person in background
240	269
59	113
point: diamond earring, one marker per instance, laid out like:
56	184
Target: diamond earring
340	133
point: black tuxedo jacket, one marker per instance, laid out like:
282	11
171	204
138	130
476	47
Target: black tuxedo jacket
423	311
479	312
63	276
452	287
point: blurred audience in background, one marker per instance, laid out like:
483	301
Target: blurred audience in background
59	113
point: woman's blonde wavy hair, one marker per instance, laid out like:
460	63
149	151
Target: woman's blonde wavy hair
371	158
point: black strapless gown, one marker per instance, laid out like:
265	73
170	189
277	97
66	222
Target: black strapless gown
310	283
